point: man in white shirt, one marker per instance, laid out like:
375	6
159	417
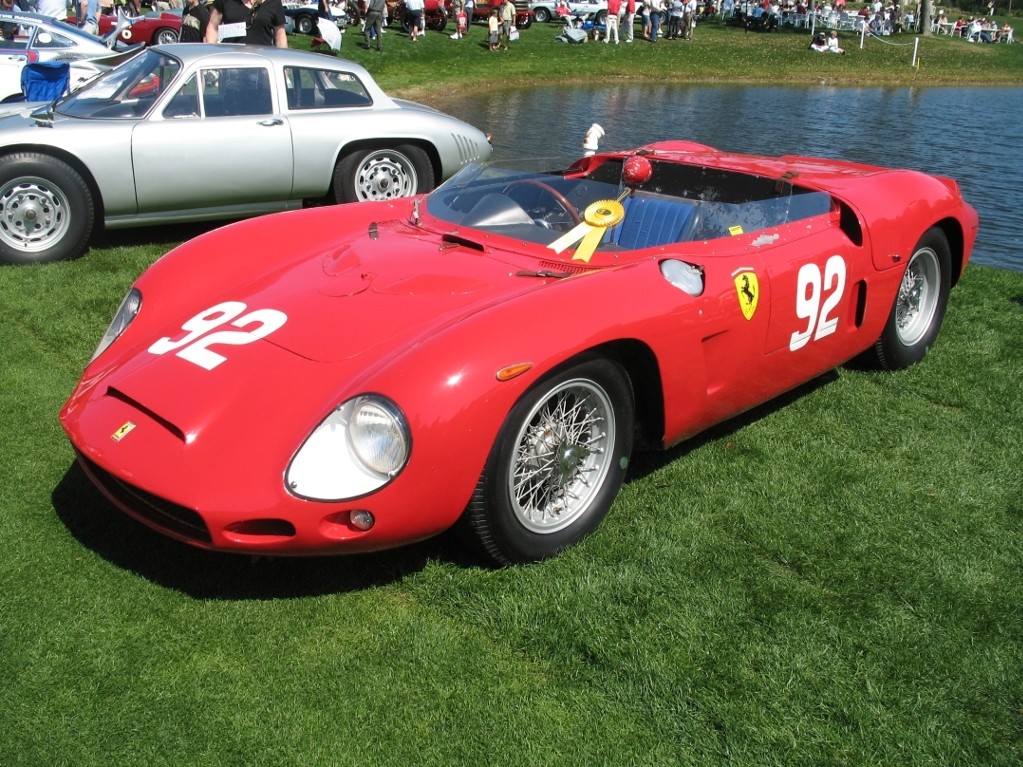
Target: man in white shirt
56	9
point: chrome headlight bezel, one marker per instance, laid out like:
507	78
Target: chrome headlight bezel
360	447
130	306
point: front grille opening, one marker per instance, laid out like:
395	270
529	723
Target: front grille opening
152	509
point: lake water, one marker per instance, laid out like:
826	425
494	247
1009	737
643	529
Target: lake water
971	134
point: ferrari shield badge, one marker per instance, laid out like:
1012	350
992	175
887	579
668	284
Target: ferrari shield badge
747	288
122	432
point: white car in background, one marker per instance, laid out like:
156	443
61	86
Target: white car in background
34	38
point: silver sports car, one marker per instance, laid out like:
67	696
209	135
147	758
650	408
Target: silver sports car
194	132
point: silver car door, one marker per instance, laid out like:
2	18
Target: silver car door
220	140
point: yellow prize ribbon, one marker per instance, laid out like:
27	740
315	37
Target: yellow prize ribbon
597	217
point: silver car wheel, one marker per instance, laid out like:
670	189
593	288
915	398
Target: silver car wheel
385	174
918	297
562	456
34	214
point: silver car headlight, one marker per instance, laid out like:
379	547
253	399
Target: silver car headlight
361	446
126	312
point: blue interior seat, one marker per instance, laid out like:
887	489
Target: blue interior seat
650	221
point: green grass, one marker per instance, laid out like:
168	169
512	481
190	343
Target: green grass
832	580
437	66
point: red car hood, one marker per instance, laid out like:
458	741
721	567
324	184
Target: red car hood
388	291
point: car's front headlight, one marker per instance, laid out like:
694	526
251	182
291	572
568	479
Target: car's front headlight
357	449
126	312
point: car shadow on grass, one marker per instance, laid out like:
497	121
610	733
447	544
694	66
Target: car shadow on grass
649	461
128	544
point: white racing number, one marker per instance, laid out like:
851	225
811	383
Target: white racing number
812	287
195	345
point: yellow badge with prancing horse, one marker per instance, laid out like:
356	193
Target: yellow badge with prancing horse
123	432
747	287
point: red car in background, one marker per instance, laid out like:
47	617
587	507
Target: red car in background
156	28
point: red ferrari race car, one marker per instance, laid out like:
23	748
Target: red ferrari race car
492	353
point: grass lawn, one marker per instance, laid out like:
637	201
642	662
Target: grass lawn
834	579
831	580
437	66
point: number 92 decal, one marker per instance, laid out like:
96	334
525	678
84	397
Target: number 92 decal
817	296
195	345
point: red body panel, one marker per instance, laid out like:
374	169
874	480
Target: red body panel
378	301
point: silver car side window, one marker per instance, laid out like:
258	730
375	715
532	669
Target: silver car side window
310	88
185	103
234	91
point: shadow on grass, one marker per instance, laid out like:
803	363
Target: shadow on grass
119	539
166	235
647	462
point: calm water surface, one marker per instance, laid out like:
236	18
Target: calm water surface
972	135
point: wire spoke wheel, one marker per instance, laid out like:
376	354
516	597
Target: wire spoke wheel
557	463
918	297
919	305
562	455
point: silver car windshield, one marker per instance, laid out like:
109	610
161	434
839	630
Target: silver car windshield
125	92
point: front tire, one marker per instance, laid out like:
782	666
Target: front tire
542	15
557	464
920	305
383	173
305	24
46	210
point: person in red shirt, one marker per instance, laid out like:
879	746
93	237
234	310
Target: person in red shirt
614	8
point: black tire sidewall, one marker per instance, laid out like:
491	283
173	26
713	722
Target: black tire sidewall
81	210
492	513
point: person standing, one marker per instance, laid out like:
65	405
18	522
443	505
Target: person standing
375	21
630	20
688	19
194	19
414	9
55	9
88	16
507	22
255	22
656	9
494	29
614	8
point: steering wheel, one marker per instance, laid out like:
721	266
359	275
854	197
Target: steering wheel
557	196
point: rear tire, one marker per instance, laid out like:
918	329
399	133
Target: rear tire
542	15
920	304
383	173
46	210
305	24
557	464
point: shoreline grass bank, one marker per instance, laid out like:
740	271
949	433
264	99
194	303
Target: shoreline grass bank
437	68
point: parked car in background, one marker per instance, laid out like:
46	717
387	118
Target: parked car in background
307	15
196	132
34	38
523	15
155	28
491	354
